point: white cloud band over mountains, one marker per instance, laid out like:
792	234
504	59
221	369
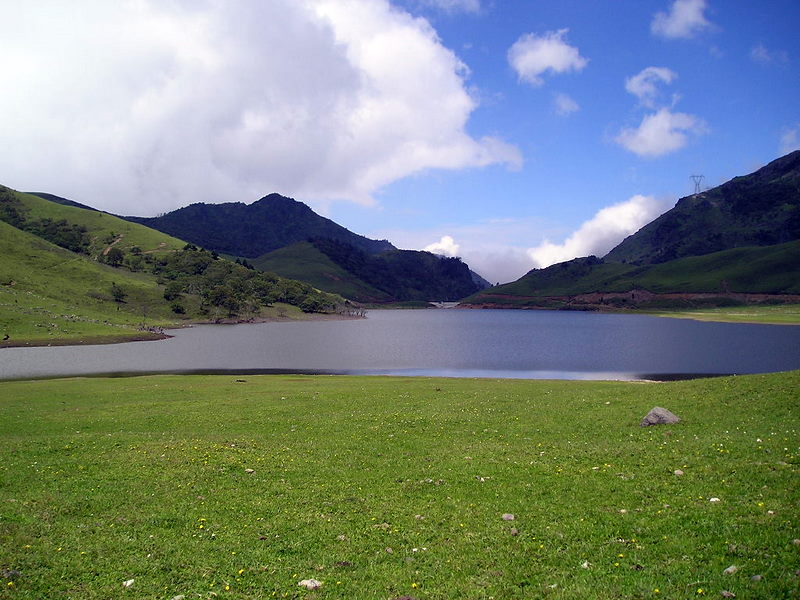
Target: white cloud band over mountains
601	233
168	103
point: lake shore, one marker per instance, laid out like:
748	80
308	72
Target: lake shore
161	332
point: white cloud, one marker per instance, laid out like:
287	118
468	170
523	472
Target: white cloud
600	234
565	105
661	133
762	55
790	140
454	6
532	55
446	246
684	20
643	84
146	106
495	249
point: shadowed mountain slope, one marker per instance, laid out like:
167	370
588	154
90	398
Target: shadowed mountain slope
250	230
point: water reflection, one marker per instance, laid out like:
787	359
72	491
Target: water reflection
490	343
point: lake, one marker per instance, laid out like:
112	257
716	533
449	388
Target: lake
461	343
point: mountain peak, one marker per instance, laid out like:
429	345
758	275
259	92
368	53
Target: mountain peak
250	230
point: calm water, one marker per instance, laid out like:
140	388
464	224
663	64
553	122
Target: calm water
466	343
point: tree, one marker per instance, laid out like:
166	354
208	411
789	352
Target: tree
115	257
118	293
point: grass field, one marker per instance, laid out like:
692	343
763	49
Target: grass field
779	314
223	487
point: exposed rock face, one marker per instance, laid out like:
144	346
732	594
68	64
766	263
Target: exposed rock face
659	416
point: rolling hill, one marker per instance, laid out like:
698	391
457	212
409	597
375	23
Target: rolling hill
304	261
736	243
73	274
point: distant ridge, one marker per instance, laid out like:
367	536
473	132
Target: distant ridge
251	230
760	209
736	243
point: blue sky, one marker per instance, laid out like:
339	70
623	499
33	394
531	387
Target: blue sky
513	133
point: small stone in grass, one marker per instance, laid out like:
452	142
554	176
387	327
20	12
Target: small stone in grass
310	584
508	517
730	570
514	531
796	541
659	416
249	470
178	597
128	583
714	500
678	472
586	564
727	594
756	578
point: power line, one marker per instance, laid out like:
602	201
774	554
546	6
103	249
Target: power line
698	180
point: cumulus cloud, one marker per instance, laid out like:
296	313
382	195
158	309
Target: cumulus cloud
494	248
533	55
146	106
643	84
565	105
684	20
661	133
600	234
790	140
446	246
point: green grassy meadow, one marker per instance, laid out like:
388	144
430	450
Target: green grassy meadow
240	487
775	314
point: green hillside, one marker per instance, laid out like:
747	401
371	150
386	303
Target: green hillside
102	229
764	270
48	293
738	238
759	209
69	274
305	262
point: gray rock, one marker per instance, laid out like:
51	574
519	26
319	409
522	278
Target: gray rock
310	584
659	416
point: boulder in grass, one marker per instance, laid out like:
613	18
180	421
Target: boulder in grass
659	416
310	584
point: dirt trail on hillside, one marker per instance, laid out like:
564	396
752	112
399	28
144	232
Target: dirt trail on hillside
112	244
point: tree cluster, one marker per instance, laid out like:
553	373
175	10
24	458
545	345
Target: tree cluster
228	289
61	233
